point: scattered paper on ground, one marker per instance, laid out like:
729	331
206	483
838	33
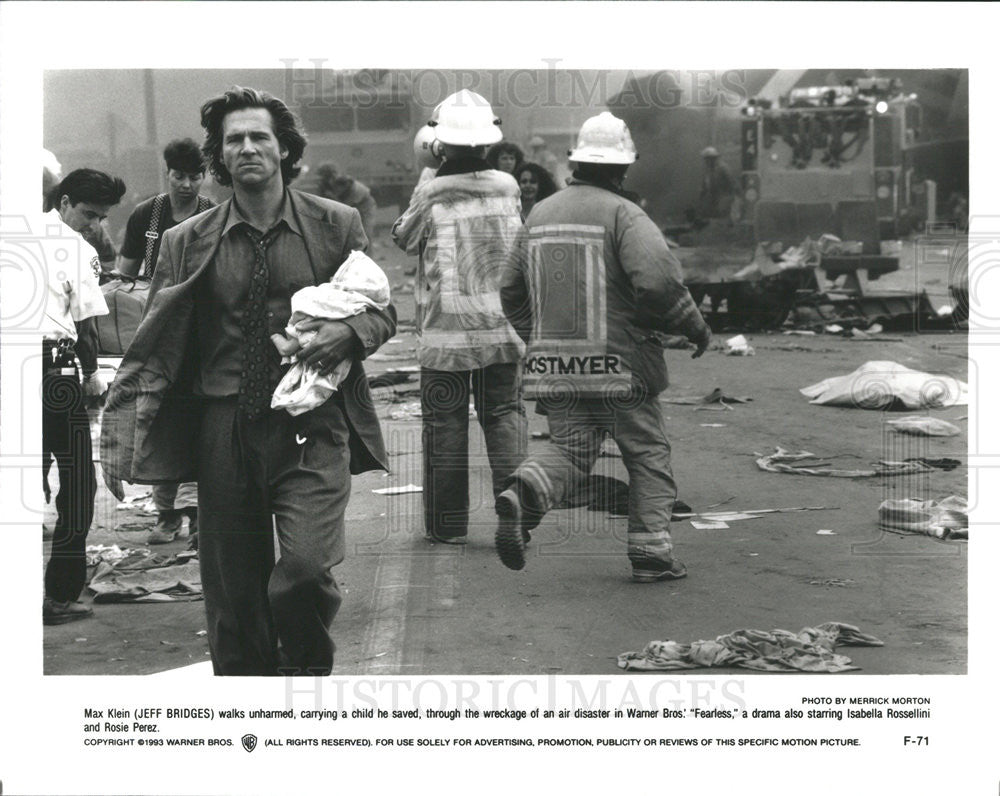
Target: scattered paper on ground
924	426
398	490
710	525
809	650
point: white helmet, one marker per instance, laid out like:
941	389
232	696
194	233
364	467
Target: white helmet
466	119
426	148
604	139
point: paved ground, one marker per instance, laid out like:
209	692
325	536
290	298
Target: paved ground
416	608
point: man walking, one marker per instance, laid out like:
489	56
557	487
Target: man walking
73	298
191	400
143	235
462	223
591	277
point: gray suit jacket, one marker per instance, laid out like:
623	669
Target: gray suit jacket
150	422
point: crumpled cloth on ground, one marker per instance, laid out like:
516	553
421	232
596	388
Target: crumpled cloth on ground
809	650
714	397
889	385
158	579
944	519
924	426
780	462
359	284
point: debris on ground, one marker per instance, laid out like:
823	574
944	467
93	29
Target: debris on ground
888	385
752	514
783	461
739	347
388	379
944	519
809	650
825	532
407	411
151	582
924	426
706	525
714	397
943	463
398	490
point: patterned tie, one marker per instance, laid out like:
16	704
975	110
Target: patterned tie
255	393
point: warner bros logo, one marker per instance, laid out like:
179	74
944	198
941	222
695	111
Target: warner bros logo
249	741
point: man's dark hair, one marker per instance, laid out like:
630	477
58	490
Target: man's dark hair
286	129
88	185
184	154
599	172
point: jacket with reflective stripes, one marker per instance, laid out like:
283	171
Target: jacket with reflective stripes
463	226
589	277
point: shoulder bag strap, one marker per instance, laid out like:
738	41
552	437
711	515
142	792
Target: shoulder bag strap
153	233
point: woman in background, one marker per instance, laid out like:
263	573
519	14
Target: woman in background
535	183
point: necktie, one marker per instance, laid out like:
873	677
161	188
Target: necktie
255	393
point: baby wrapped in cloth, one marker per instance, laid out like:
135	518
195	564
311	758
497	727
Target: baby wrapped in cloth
358	284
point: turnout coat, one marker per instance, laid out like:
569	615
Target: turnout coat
151	418
589	277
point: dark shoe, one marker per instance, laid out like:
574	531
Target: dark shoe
168	527
59	613
681	510
651	570
510	535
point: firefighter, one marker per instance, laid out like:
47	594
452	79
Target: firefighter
462	222
588	283
718	188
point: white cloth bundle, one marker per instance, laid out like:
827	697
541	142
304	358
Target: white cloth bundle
358	284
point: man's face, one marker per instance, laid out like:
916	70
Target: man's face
183	186
83	217
251	151
507	162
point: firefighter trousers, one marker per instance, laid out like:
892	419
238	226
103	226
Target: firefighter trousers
577	431
444	399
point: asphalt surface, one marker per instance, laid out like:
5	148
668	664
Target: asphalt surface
413	607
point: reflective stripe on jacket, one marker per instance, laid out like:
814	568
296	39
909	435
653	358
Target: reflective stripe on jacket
589	278
463	226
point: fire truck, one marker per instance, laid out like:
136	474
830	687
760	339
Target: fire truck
826	165
830	159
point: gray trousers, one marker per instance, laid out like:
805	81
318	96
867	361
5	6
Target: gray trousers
577	431
170	497
267	618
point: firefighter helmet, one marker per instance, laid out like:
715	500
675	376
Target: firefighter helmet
466	119
604	139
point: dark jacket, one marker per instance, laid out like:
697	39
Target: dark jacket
150	426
